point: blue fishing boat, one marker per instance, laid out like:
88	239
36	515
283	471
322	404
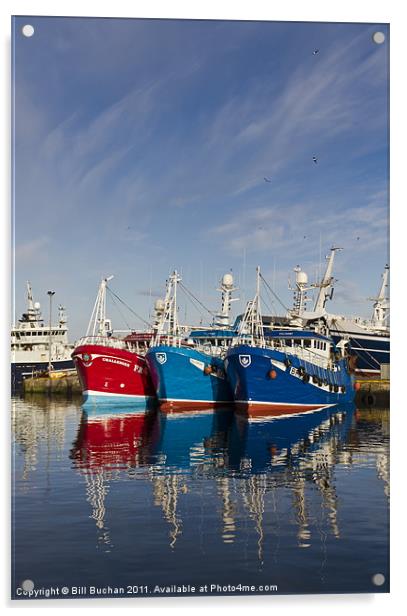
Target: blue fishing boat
285	371
188	371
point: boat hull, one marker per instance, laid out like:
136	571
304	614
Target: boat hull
263	385
369	351
111	375
182	380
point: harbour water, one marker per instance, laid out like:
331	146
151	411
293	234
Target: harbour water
120	499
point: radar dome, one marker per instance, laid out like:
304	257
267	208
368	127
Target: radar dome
302	277
227	280
159	305
37	305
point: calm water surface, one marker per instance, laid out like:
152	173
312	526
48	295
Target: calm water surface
116	497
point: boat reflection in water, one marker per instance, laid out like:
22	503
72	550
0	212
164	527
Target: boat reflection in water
191	449
110	438
111	441
291	452
247	461
172	448
236	497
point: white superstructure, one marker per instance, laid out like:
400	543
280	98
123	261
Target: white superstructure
369	338
35	345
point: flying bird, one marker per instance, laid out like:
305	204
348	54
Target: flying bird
267	179
315	159
314	53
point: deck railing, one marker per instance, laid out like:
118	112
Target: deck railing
109	341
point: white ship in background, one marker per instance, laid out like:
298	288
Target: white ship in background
34	346
369	339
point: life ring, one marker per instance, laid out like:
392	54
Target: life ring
208	370
272	374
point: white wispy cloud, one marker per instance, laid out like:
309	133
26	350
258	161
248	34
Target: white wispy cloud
32	250
172	152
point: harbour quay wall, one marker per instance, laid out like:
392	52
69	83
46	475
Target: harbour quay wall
373	393
68	385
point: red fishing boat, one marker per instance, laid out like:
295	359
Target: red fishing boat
112	369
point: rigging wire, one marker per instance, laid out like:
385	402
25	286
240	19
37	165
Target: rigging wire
184	288
128	307
121	313
272	292
263	301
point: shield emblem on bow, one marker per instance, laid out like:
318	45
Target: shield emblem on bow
161	358
87	359
245	360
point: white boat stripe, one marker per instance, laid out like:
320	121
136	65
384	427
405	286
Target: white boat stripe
91	392
286	404
192	401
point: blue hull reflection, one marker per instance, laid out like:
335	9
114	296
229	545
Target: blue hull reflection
270	444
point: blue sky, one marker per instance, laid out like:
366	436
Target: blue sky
142	145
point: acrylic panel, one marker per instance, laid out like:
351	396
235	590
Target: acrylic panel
200	347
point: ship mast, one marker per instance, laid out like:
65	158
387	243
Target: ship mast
222	318
33	309
169	314
325	286
252	324
30	301
99	325
381	303
300	296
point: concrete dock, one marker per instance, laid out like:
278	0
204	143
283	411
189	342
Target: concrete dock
64	383
370	393
373	393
